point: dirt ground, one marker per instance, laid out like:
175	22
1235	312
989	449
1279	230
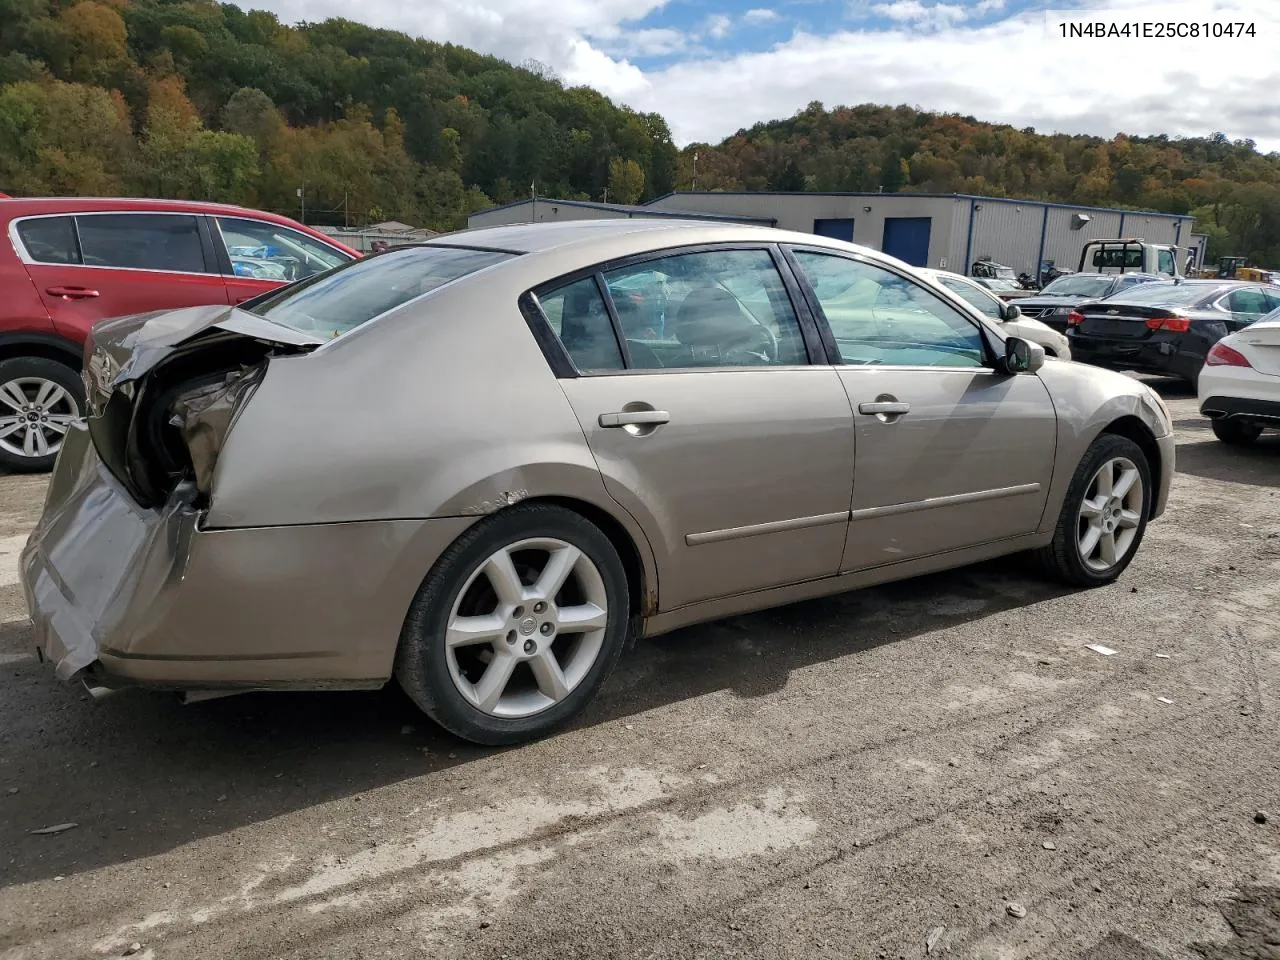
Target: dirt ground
856	777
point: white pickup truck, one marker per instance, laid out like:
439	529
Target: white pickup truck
1130	256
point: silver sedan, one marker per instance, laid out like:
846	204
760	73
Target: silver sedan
481	464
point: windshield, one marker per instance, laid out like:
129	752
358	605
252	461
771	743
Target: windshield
338	301
1171	294
1079	285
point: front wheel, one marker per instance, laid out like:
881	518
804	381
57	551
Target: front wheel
1236	433
516	627
1104	516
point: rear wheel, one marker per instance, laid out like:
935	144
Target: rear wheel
1104	516
1235	433
516	626
39	400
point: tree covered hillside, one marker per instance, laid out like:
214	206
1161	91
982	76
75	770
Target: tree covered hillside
195	99
1233	191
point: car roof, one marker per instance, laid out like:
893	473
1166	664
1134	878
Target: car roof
600	241
30	206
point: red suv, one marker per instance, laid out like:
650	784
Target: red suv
72	262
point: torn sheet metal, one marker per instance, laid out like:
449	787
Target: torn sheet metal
80	603
204	417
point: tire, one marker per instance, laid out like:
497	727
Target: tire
1063	558
26	447
1235	433
449	682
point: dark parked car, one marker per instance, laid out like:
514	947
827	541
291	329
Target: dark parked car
1052	305
1166	327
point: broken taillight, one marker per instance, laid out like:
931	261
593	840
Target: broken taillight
1075	318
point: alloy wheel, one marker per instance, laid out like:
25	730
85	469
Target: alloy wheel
1110	514
35	415
526	628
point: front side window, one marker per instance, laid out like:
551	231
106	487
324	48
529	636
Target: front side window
340	300
50	240
989	305
879	317
720	308
1165	261
141	241
268	251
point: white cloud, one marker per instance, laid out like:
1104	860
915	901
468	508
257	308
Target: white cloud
1012	71
761	15
938	16
718	26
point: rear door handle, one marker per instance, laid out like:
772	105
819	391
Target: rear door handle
627	418
894	408
72	293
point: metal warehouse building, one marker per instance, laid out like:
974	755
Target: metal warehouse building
948	231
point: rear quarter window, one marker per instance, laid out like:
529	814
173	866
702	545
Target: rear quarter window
50	240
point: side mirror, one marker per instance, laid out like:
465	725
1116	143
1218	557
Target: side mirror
1022	356
1011	311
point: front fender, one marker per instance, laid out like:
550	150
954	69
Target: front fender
1088	400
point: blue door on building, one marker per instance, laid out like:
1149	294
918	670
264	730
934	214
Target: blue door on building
907	238
836	229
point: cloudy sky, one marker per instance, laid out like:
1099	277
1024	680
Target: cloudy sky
714	66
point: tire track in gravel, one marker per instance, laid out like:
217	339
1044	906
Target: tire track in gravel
662	945
1054	709
394	912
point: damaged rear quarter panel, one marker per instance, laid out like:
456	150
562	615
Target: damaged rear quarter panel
443	408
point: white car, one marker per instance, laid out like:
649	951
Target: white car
1007	314
1239	387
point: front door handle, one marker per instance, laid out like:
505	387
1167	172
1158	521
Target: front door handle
628	418
72	293
892	408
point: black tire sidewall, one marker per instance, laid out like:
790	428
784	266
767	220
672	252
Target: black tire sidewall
421	662
1107	447
1235	433
62	374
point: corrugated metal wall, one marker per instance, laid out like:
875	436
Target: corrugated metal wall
1008	233
1063	245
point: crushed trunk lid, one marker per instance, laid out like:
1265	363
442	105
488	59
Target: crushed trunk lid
163	389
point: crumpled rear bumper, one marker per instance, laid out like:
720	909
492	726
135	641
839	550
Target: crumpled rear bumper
135	596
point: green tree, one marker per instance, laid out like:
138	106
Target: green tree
626	181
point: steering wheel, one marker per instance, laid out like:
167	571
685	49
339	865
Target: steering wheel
764	343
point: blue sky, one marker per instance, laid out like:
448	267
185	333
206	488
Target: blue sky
714	67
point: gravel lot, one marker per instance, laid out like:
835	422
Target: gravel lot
851	777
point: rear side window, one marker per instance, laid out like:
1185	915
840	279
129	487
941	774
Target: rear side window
1118	258
141	241
50	239
1248	301
339	300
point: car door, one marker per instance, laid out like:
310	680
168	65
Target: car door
718	433
91	266
256	255
951	454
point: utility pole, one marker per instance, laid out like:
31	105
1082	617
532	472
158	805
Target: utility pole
695	172
346	222
606	194
302	201
533	197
